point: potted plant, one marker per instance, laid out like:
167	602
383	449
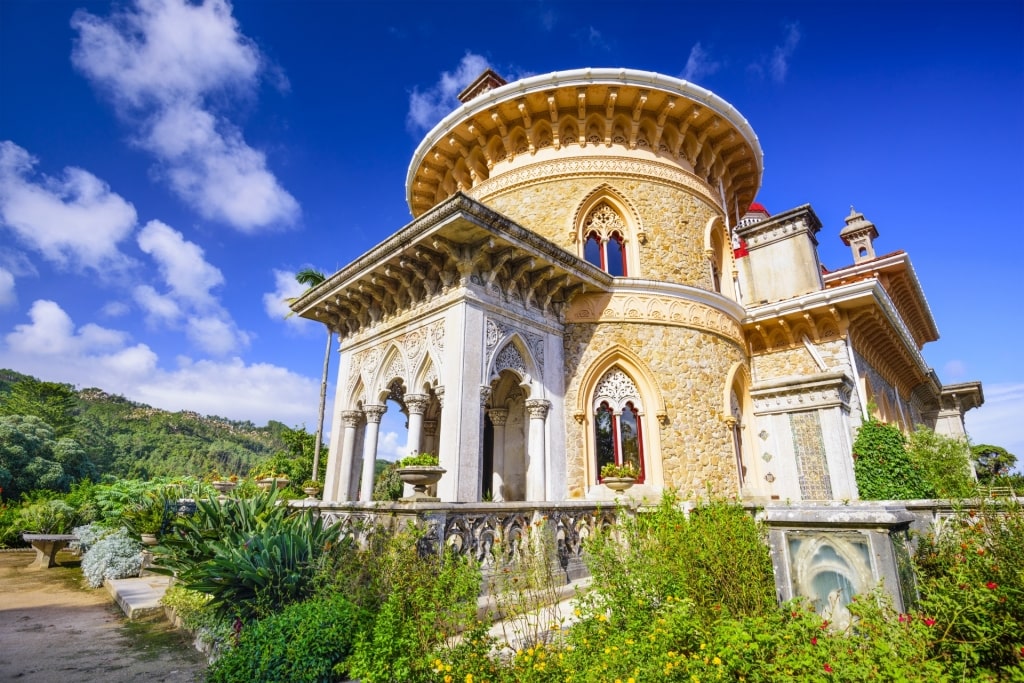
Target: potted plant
421	471
619	477
223	485
310	488
146	518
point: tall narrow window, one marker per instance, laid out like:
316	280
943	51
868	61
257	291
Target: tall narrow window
605	245
593	252
618	431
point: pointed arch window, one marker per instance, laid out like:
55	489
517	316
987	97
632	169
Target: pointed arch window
618	425
605	244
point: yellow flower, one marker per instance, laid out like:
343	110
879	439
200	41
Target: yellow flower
469	678
716	661
630	680
702	646
447	678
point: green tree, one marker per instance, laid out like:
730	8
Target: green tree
27	456
53	403
992	462
944	462
313	278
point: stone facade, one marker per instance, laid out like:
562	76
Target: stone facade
582	286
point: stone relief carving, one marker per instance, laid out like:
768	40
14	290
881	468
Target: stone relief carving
666	310
617	388
604	220
496	330
509	358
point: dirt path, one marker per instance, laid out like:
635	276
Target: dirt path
54	629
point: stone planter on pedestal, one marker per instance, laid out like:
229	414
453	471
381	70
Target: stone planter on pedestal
420	478
618	484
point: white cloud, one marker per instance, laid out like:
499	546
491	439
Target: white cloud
163	62
998	421
275	303
51	348
430	106
72	221
8	298
215	334
181	263
392	446
115	309
159	308
699	64
779	64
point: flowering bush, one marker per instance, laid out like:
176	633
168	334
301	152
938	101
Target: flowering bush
623	471
115	555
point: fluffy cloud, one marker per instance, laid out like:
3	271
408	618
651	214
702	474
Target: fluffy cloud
430	106
7	296
188	301
275	303
779	64
163	62
74	221
699	64
95	356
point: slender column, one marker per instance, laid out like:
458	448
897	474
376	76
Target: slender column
373	415
416	404
535	449
351	419
499	416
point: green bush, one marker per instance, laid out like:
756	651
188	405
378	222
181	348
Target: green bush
944	463
882	467
971	579
48	517
308	641
388	485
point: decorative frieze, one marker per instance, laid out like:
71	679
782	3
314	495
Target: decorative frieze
653	308
821	391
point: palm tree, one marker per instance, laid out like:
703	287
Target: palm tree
311	278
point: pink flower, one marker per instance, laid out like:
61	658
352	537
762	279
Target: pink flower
928	621
814	640
991	585
828	668
904	618
824	624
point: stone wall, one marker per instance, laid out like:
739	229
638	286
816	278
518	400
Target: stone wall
689	369
798	361
672	216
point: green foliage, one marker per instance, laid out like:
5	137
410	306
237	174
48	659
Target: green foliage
419	460
55	404
971	578
48	517
251	555
304	642
27	456
715	558
992	462
148	516
944	463
420	599
614	471
882	467
388	485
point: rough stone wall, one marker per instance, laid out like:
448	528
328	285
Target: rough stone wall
690	368
673	217
797	361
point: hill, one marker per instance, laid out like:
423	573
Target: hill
125	439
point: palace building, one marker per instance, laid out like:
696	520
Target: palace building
587	279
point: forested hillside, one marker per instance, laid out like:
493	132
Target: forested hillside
52	434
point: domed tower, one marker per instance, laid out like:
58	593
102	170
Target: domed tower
643	176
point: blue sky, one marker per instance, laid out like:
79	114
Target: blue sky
166	167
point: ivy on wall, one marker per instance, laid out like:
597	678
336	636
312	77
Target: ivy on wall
883	468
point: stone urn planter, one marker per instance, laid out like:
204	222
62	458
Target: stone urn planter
149	539
420	477
618	484
224	486
311	492
273	482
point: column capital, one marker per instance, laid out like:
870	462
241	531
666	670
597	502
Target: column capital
498	416
538	408
352	418
374	412
439	393
417	403
430	427
485	395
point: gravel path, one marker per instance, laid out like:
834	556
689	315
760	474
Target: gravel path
54	629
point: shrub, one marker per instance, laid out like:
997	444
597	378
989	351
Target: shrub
47	517
971	578
193	608
944	463
388	485
419	460
307	641
115	555
425	599
882	467
626	470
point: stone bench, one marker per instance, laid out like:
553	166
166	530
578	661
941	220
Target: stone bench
47	546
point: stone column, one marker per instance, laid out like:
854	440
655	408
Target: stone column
351	419
373	414
535	449
498	418
416	404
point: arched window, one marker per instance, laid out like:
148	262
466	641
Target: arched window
605	246
618	427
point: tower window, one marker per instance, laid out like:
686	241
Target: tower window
605	245
618	430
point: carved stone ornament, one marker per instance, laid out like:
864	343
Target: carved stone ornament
499	416
604	220
618	389
537	408
351	418
374	413
509	358
417	403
